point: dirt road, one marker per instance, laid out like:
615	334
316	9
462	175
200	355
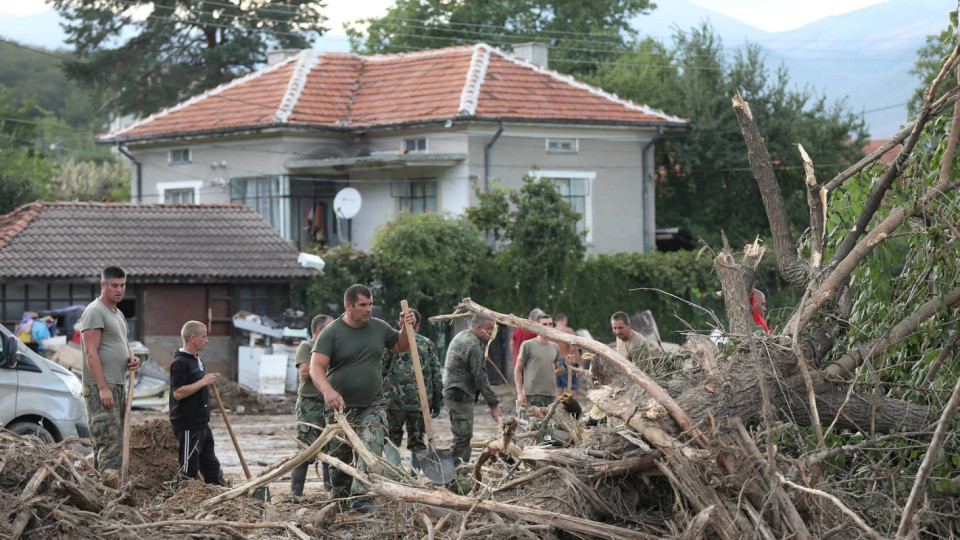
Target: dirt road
265	439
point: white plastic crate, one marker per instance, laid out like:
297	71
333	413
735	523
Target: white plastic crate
261	371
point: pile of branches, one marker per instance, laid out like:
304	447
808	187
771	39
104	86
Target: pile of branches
52	490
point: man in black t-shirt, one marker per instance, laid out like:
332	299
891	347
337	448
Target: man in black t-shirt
190	408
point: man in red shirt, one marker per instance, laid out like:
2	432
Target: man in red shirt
520	335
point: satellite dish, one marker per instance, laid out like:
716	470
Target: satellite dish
347	203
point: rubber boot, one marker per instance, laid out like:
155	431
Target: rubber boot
327	484
297	479
415	463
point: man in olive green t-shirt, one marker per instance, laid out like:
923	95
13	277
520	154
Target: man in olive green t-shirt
537	369
345	367
310	409
107	357
630	343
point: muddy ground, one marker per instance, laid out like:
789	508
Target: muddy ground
266	438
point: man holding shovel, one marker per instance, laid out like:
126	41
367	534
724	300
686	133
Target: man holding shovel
190	408
107	357
403	400
345	367
465	377
310	407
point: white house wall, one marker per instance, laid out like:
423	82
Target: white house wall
214	162
611	155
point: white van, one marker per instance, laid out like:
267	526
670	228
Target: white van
37	396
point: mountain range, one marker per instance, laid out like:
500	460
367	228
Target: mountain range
863	56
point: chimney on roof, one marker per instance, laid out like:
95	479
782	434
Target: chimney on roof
535	53
277	55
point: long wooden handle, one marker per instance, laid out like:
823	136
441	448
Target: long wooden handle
243	463
125	463
418	372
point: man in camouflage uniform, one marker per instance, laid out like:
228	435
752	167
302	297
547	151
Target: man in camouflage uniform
310	409
464	378
345	367
403	399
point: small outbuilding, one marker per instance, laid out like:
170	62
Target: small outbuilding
202	262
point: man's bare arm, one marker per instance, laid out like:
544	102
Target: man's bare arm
304	370
188	390
518	376
132	361
403	344
91	342
318	373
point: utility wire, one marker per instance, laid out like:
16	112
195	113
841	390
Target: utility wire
46	125
497	37
32	49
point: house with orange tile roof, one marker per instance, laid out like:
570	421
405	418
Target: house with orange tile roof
888	156
416	132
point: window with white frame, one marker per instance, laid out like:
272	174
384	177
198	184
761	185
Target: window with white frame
179	196
415	145
179	156
561	145
574	187
416	197
186	192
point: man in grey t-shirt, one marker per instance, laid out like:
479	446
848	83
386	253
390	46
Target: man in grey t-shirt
537	369
107	357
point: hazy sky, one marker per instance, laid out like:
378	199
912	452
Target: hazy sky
770	15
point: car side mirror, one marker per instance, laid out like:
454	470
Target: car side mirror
10	349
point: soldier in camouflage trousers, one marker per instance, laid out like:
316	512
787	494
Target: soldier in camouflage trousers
402	397
464	378
106	425
310	407
370	424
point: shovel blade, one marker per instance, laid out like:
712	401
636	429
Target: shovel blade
437	466
262	493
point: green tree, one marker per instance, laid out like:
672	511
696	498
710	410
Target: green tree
344	267
105	180
580	34
24	171
36	74
139	56
930	58
543	250
429	259
706	184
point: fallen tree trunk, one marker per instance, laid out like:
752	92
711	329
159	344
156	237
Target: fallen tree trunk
733	389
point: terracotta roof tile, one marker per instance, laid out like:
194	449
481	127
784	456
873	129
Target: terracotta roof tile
11	224
347	90
213	242
888	156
